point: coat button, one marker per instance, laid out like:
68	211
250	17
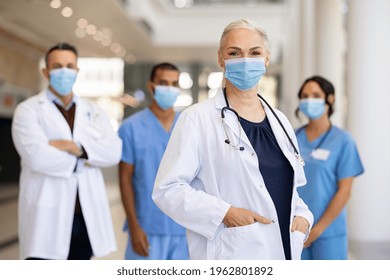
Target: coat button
252	154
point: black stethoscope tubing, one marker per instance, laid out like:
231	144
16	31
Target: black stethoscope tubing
227	108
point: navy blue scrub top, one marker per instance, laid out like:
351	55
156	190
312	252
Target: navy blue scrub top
277	173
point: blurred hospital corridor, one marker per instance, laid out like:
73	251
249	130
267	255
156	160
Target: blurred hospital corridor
119	41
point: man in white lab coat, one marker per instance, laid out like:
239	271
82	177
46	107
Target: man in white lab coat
63	141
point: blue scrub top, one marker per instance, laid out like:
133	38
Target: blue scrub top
144	142
323	173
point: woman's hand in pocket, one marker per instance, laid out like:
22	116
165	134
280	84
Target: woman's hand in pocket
236	217
300	224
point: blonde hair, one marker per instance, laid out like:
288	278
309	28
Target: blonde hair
247	24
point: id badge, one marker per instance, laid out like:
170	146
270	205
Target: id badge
320	154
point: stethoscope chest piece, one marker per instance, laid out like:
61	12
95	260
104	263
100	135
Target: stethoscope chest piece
300	159
227	140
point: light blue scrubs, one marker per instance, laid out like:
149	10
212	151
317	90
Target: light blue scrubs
338	159
144	142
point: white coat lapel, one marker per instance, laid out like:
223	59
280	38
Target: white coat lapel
233	128
280	136
286	147
82	115
53	116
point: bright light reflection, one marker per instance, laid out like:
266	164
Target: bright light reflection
183	3
115	47
185	81
183	100
80	33
55	4
106	41
67	12
101	81
214	80
91	29
82	23
100	77
98	36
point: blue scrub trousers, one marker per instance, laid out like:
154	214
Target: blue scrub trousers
328	248
162	247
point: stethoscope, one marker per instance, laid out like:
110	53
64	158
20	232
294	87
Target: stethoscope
242	148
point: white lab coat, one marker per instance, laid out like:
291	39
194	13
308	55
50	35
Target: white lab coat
48	182
200	177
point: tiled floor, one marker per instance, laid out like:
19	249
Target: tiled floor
9	249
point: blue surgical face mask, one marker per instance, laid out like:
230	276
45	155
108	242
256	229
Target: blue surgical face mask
244	73
313	108
62	80
166	96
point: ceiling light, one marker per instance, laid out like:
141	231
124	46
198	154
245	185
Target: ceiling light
183	3
80	33
214	80
98	35
55	4
106	41
67	12
185	80
82	23
115	47
91	29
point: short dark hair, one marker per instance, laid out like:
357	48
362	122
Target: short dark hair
60	46
162	66
326	87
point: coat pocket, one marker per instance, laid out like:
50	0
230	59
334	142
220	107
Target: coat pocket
255	241
297	239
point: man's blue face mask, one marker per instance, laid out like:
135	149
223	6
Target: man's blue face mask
62	80
244	73
166	96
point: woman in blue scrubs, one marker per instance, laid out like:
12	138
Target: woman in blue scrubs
332	162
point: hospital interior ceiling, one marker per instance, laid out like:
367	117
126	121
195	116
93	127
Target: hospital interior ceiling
192	3
181	31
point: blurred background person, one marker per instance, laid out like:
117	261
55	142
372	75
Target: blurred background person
231	171
63	140
145	134
332	162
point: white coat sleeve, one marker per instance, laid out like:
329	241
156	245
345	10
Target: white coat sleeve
33	147
192	208
101	143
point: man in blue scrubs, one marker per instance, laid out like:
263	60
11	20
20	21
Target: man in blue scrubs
145	135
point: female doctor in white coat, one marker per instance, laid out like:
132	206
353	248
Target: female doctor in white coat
63	141
230	172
